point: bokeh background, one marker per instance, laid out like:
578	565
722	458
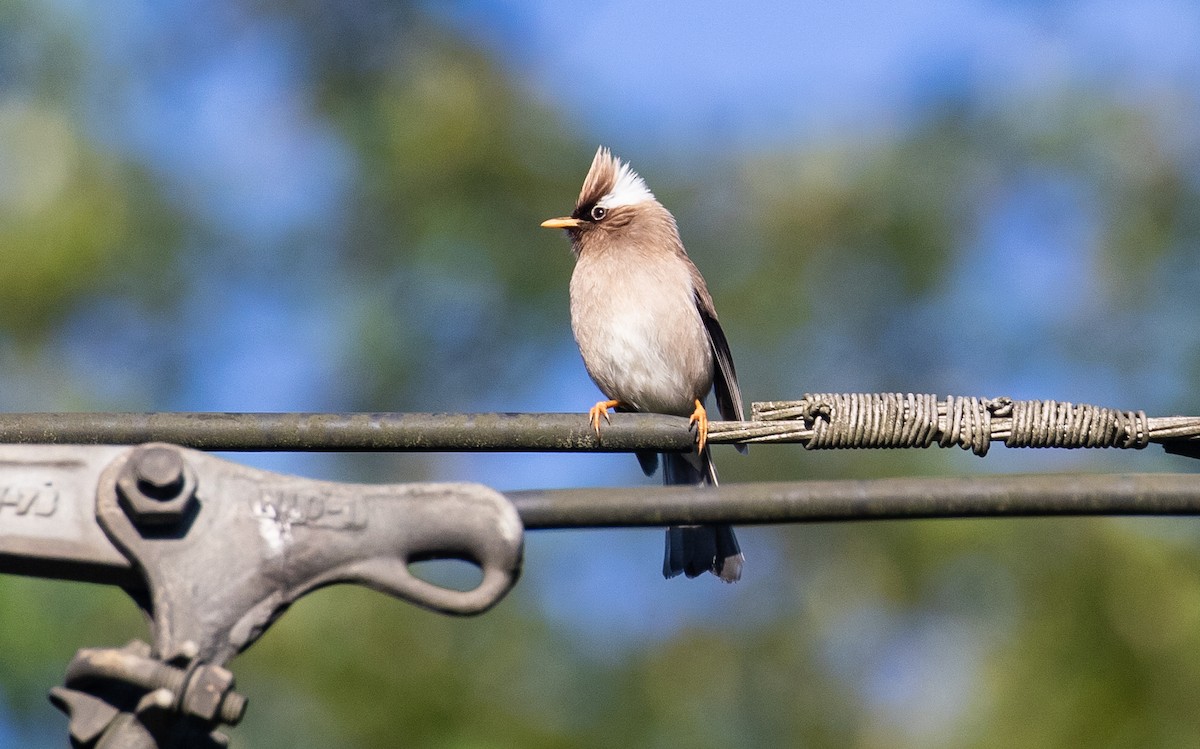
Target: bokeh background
334	205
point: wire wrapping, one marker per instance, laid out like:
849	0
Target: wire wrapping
900	420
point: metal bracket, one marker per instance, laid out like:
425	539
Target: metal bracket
250	542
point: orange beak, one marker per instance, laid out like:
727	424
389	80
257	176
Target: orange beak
566	222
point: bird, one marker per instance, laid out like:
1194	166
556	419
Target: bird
646	327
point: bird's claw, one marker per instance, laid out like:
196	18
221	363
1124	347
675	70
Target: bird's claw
700	420
600	410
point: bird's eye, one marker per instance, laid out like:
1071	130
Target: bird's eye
598	212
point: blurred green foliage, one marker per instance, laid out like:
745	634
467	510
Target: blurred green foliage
838	264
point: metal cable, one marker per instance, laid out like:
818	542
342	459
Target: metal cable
820	421
873	499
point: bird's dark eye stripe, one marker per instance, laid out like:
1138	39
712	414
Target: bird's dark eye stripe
590	212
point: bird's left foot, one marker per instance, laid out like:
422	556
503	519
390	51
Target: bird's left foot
700	419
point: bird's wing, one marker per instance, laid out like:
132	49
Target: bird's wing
729	395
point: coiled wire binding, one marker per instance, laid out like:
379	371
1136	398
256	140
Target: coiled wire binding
895	420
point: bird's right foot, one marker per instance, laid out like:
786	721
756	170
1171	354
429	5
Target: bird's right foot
600	410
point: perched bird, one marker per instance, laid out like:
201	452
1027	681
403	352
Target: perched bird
645	324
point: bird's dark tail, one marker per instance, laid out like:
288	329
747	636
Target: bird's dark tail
696	549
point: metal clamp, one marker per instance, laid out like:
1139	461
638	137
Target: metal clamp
214	552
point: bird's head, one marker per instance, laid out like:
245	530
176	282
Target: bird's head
613	199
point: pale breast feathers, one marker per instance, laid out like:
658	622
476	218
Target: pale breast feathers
641	335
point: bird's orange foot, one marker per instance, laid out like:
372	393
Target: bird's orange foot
700	419
600	410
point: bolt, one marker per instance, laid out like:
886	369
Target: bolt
233	708
159	472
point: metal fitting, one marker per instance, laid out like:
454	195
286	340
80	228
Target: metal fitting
156	486
209	696
102	685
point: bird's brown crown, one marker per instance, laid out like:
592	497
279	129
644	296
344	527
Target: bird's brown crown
610	183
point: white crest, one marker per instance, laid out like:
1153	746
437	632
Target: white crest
628	189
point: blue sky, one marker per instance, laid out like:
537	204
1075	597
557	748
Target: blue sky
677	75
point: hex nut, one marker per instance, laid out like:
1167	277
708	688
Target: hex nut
210	696
156	486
